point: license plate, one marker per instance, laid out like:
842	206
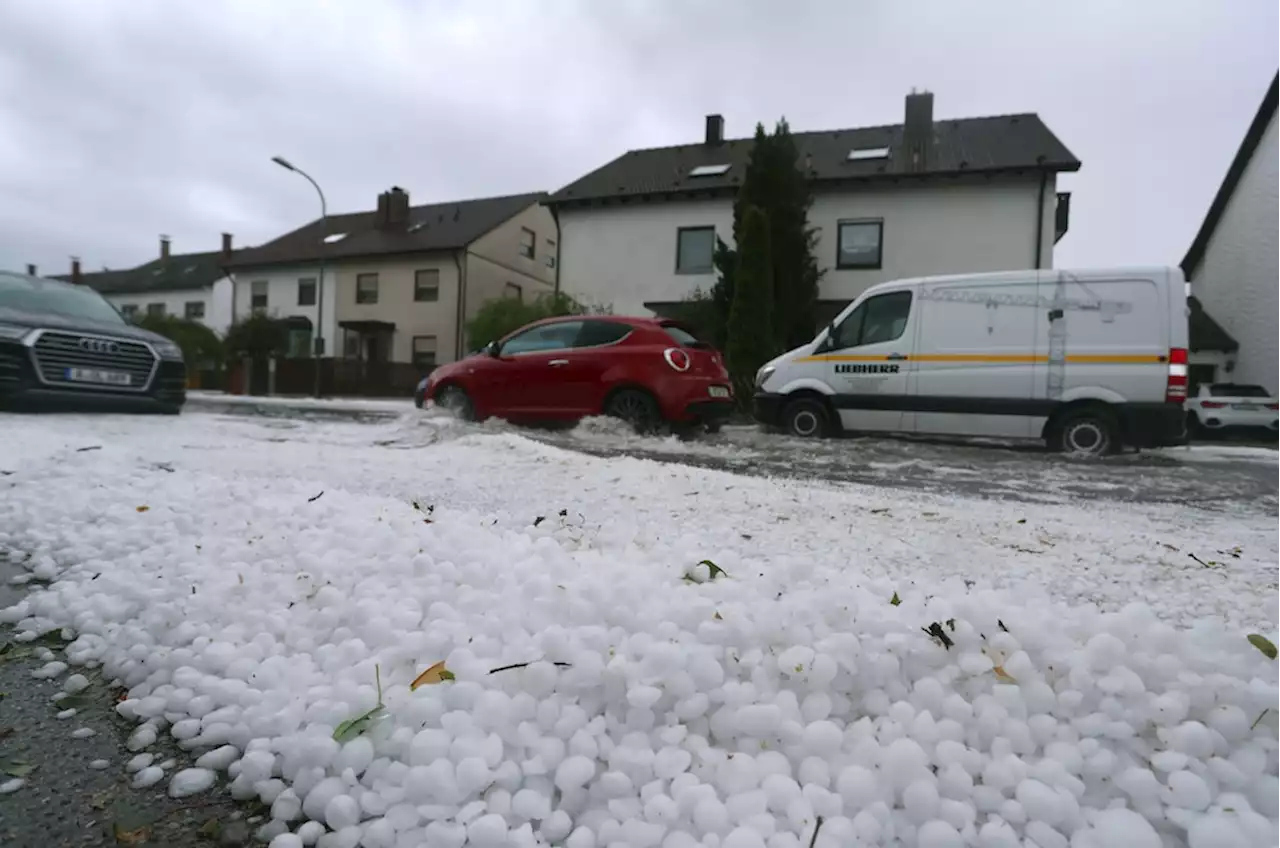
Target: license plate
96	375
718	392
1249	406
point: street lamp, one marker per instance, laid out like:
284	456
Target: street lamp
324	228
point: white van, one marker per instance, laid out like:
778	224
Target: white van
1086	360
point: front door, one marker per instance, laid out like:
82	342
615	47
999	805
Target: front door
867	360
532	371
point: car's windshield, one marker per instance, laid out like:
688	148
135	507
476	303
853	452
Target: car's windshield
1236	390
34	294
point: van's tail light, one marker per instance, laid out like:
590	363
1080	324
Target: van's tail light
1273	406
677	358
1211	404
1176	388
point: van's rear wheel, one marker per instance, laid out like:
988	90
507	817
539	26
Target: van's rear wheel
806	418
1086	432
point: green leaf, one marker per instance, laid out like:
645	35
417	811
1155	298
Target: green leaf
895	600
713	569
17	768
1262	643
447	675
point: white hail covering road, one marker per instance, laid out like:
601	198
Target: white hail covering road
1086	683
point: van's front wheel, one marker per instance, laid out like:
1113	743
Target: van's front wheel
806	418
1088	432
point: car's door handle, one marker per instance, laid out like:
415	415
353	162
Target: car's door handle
895	357
556	363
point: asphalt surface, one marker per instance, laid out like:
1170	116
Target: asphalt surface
66	803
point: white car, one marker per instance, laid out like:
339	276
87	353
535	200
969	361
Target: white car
1236	406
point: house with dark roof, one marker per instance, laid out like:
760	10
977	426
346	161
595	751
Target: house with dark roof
922	197
399	281
1232	265
189	285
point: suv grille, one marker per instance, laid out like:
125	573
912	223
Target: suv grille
54	352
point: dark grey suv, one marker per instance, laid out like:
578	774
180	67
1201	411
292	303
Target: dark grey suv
64	344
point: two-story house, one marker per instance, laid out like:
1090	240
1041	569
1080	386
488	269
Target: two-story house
188	285
1232	265
922	197
401	281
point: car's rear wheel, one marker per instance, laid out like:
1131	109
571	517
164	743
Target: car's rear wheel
456	402
1085	433
637	408
806	418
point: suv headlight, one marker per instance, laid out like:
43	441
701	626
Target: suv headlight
168	350
13	331
764	374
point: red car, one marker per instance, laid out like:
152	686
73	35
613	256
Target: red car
646	371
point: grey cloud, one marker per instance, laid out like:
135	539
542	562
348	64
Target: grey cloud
123	119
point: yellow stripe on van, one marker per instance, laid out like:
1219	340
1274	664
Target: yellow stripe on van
1006	358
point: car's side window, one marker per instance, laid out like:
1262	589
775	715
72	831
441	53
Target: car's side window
559	336
597	333
877	320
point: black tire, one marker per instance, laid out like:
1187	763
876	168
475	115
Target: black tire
454	400
806	418
713	427
637	408
1086	433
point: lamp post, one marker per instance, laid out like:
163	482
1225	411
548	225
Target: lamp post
318	345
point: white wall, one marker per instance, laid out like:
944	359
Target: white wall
216	300
282	296
1237	280
625	255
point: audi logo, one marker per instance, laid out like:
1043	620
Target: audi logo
99	346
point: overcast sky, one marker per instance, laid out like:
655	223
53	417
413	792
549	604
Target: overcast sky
124	119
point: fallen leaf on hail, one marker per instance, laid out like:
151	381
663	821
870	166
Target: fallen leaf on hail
1003	675
434	674
143	508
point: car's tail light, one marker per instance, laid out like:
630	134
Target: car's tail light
1176	388
1211	404
677	358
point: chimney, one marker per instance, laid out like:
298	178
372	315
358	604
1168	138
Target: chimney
393	210
75	270
917	129
715	131
164	247
31	270
226	246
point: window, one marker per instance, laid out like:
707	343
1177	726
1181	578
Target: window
1238	390
558	336
859	154
514	291
366	288
424	352
695	250
596	333
709	171
351	345
155	309
527	241
859	244
193	309
426	285
307	291
876	320
128	310
258	294
551	253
